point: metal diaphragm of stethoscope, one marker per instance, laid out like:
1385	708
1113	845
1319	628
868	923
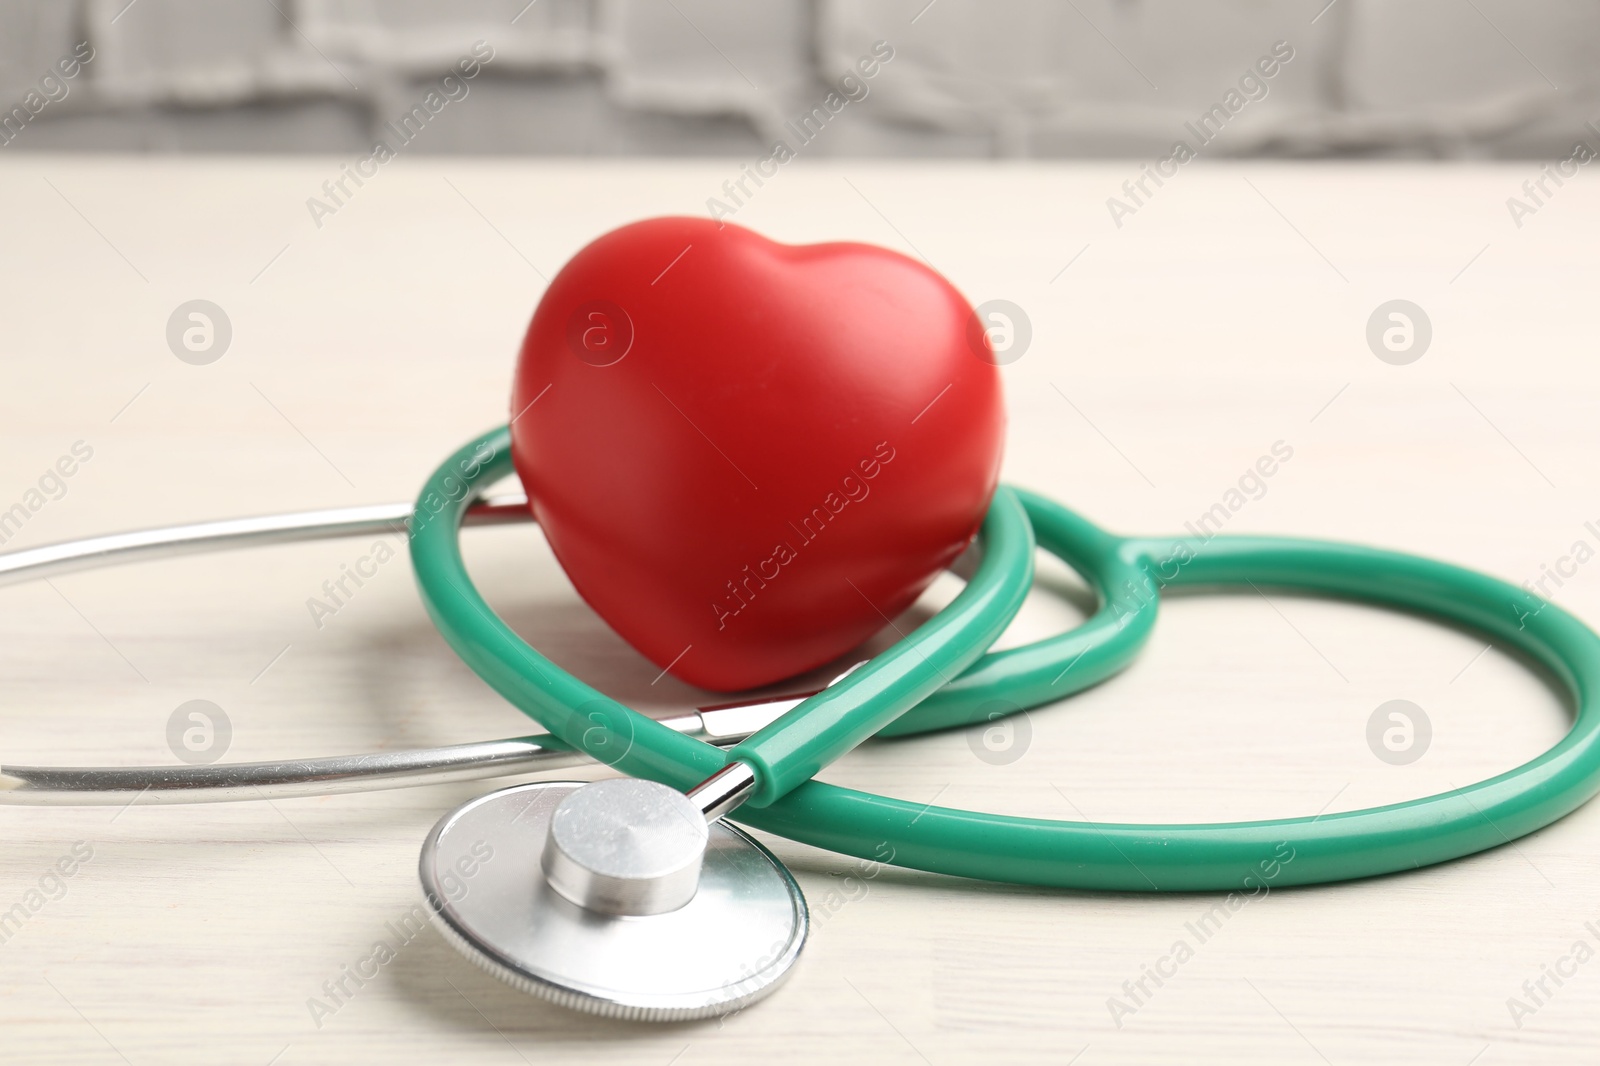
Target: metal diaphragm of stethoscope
635	897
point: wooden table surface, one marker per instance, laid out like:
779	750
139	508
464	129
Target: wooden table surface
1225	316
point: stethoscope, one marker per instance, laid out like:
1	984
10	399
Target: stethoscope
635	897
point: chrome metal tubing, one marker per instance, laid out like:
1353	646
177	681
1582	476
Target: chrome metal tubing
116	785
724	790
82	786
111	549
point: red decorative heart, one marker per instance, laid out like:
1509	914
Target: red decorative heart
749	456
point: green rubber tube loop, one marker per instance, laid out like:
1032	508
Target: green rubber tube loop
792	749
787	752
1128	574
1056	667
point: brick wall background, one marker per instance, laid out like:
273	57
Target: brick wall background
969	78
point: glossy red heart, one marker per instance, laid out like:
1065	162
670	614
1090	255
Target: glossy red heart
749	456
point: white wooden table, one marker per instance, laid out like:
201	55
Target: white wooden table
1227	314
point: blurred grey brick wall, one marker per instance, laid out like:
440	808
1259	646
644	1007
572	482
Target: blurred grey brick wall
968	78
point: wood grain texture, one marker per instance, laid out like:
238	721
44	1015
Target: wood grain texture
1228	313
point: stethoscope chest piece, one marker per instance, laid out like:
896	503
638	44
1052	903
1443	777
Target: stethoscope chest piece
483	870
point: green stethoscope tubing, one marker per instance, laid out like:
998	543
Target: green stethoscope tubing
906	691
